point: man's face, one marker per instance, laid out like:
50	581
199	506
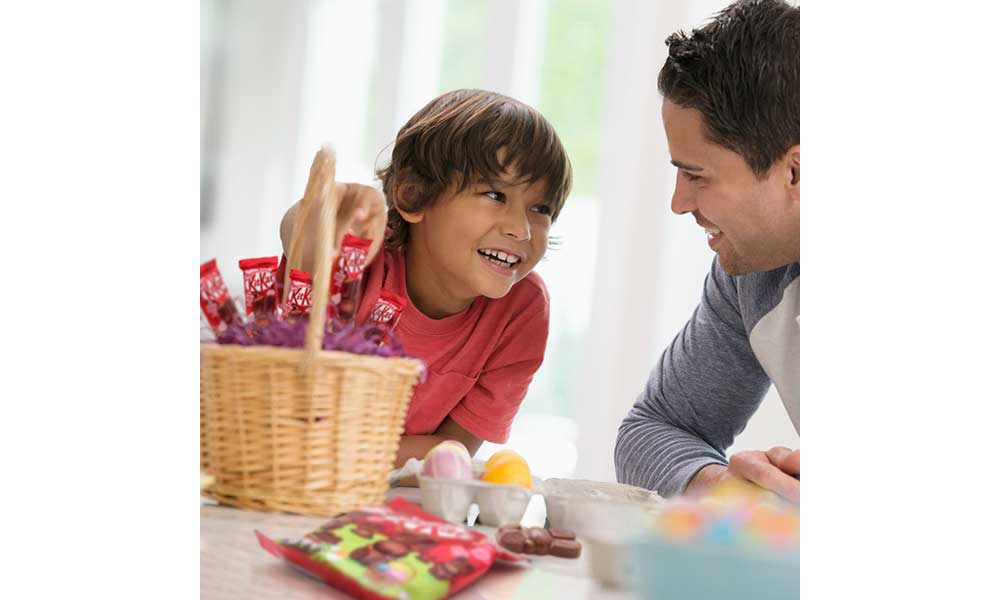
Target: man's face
752	224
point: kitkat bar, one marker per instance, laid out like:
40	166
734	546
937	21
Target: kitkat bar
260	288
216	304
299	294
345	289
387	310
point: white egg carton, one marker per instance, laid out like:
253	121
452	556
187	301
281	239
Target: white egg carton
451	499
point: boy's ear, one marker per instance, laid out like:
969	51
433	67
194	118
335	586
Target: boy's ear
403	195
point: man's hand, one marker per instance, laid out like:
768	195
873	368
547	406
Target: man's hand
776	470
362	212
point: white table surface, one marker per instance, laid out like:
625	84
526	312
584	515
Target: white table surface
233	565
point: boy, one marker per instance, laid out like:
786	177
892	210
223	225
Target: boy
474	183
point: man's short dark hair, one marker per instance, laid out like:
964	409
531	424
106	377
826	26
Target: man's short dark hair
741	72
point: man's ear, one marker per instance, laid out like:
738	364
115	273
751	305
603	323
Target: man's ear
403	196
793	173
793	160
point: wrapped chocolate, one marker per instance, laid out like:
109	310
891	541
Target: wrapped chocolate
390	552
345	289
216	304
387	310
260	288
299	295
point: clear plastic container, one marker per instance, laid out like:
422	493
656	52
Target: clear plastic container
607	516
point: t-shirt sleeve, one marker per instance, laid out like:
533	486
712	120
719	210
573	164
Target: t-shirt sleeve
488	410
700	395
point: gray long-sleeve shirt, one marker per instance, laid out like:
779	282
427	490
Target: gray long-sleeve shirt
743	336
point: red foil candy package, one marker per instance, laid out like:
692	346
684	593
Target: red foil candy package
390	552
260	288
299	294
388	309
218	306
345	289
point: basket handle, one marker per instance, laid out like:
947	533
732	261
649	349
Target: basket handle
320	188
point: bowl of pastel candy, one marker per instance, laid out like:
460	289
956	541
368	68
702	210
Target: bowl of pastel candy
728	544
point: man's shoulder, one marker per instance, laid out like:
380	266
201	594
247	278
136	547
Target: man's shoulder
758	293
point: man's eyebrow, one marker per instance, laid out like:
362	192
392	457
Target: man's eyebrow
681	165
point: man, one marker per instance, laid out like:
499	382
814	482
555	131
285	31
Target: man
731	116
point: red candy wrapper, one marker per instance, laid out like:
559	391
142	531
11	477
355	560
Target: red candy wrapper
390	552
388	309
345	289
260	288
299	294
218	306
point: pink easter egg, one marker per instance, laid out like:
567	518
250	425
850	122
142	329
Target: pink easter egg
449	459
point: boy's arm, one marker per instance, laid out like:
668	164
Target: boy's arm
699	396
362	211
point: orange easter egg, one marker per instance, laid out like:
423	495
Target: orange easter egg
511	472
501	457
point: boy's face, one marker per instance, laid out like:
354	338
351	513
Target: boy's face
752	224
482	240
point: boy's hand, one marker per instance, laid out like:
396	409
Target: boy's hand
776	470
362	212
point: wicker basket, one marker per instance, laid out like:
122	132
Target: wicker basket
303	430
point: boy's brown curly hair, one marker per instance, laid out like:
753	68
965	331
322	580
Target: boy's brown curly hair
456	139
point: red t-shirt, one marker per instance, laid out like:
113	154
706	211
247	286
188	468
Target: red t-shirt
479	362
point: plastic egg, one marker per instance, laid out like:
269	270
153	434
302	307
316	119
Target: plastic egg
501	457
449	459
509	472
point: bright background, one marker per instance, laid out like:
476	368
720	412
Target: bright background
280	78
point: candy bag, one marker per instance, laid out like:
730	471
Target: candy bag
299	294
216	304
345	289
390	552
259	288
386	313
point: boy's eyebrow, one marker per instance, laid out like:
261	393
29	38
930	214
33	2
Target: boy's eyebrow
684	166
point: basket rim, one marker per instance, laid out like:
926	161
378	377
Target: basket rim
300	354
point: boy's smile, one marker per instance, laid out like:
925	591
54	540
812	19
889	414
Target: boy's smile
476	242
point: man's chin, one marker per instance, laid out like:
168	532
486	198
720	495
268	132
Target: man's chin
732	263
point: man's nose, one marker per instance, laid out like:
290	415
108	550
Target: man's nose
681	202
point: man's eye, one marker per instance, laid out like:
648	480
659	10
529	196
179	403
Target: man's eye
544	209
494	195
691	177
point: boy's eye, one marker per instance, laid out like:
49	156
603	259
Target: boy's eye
494	195
544	209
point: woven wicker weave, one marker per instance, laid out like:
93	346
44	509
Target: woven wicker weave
302	430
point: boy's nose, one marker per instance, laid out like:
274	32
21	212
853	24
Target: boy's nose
517	227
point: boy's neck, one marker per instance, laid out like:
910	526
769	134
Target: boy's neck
427	292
